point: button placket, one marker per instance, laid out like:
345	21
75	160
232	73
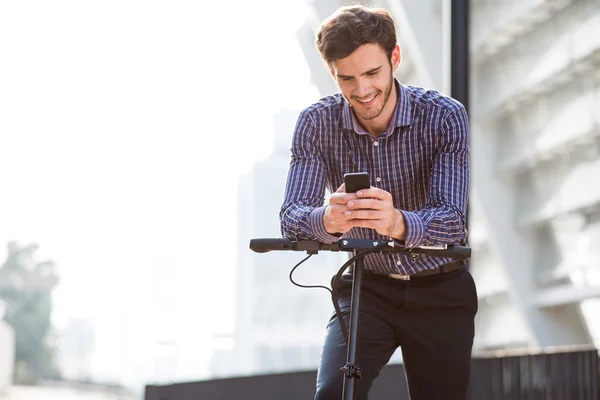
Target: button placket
375	147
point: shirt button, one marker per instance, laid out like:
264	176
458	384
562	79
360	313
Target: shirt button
378	179
398	263
375	143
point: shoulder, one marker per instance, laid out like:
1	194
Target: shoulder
431	101
319	119
440	115
327	108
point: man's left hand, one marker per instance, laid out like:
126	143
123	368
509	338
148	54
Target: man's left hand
374	209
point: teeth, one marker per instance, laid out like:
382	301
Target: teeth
367	100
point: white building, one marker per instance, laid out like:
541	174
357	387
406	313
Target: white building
536	162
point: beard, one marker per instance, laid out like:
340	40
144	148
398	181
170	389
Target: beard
374	111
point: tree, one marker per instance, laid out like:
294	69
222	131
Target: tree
26	287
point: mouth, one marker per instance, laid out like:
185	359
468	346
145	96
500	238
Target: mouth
367	101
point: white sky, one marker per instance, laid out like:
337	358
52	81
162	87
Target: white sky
124	126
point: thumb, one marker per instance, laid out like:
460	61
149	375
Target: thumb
341	189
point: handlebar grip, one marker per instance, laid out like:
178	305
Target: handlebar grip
265	245
458	253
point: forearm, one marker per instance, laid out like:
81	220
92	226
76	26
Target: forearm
300	222
296	222
444	224
442	220
301	215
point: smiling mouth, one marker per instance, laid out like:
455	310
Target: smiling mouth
367	101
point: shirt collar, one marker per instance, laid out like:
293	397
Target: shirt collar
402	113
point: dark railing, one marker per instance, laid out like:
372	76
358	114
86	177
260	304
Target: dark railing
557	374
554	374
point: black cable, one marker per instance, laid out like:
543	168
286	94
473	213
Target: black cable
333	289
336	306
339	275
306	286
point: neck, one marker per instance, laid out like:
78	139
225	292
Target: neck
379	125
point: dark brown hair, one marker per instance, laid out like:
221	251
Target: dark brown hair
350	27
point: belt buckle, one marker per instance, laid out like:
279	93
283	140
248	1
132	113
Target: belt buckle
400	277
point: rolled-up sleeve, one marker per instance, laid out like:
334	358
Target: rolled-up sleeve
443	219
301	214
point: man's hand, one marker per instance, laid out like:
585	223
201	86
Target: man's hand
374	208
369	208
335	219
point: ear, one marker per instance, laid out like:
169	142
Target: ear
396	57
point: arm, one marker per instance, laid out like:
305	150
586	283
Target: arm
443	220
301	215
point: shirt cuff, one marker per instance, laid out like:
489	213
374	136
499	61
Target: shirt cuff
415	229
317	226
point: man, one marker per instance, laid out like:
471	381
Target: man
414	144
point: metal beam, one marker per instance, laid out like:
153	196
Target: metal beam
459	59
459	47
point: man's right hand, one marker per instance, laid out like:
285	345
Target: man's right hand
334	218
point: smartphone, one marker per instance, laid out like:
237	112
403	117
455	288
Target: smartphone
356	181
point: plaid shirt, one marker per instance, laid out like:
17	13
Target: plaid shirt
422	160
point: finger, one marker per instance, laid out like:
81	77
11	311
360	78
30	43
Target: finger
370	204
341	189
364	223
363	214
374	193
341	198
337	211
337	198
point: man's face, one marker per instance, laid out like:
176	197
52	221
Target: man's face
365	79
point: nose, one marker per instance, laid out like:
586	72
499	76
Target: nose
362	88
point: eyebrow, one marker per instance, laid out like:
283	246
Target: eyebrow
364	73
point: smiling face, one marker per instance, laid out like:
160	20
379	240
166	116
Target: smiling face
366	80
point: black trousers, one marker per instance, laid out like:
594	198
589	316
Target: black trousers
430	318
